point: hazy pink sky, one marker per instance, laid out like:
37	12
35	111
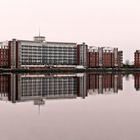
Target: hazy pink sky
114	23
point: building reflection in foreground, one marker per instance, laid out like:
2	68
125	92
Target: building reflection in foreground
29	87
105	83
137	81
20	88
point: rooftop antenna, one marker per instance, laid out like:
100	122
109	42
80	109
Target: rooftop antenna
39	31
39	38
39	109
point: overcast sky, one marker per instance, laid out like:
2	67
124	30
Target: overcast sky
114	23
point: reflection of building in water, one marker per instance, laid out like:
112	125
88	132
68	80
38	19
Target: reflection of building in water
137	81
20	88
39	87
4	86
104	83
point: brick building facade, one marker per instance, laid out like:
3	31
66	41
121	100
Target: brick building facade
105	57
4	55
137	59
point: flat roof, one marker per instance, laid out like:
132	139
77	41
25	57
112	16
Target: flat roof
47	42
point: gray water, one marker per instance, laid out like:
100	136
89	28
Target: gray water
70	107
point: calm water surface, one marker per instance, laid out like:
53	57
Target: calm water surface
70	107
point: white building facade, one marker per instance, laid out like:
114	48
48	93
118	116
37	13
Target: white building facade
26	54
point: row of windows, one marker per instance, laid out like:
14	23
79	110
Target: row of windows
47	64
48	61
32	93
49	84
56	81
3	62
70	80
28	91
33	88
49	55
48	58
47	87
52	59
49	51
4	58
49	47
64	93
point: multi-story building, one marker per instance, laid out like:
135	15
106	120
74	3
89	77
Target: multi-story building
104	57
4	55
137	59
120	58
41	54
93	57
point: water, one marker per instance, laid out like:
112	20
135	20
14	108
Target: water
70	107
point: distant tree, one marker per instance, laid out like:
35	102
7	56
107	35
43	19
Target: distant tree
128	64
